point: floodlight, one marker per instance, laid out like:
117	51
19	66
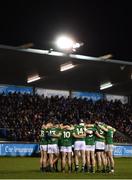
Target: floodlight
106	85
64	42
65	67
33	78
76	45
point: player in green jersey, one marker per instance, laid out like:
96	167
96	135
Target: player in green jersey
90	148
66	146
109	148
79	145
100	147
43	148
72	125
58	127
53	149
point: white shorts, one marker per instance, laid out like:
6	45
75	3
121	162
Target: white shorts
53	149
72	150
100	145
79	145
66	149
109	147
43	147
90	148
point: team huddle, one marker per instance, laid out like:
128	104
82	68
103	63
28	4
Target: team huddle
77	146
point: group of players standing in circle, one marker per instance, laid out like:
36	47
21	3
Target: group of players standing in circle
80	146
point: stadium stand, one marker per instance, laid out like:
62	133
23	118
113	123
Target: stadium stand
21	115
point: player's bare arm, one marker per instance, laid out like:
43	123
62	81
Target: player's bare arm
103	128
98	135
79	136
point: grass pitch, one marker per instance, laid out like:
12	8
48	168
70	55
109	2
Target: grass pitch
28	168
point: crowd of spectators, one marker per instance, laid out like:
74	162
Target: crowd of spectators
22	114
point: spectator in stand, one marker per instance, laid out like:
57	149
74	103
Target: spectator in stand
23	114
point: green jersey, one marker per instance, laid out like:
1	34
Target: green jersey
79	130
101	132
51	132
66	137
90	138
109	136
43	140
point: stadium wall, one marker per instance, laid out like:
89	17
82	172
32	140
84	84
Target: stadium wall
32	149
52	92
18	149
12	89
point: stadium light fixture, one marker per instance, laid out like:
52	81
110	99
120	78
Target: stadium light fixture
67	43
64	42
65	67
106	85
33	78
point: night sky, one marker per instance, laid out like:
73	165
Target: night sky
104	26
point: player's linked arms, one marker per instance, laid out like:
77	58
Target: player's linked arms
89	125
103	128
79	136
65	126
56	135
111	128
89	132
98	135
72	128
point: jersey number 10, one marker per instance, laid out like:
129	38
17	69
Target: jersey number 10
66	134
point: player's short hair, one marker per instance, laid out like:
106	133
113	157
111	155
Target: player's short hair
44	123
66	123
73	122
81	120
96	117
50	120
88	121
55	122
